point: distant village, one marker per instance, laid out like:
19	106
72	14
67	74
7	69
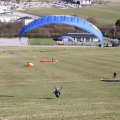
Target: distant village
8	7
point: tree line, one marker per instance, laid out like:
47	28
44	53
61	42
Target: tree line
52	31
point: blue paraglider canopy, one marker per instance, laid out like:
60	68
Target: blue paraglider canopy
70	20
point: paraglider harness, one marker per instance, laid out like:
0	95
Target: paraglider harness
57	92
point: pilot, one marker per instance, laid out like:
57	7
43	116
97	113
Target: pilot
57	92
114	75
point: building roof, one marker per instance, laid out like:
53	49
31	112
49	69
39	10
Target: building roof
82	0
24	18
78	35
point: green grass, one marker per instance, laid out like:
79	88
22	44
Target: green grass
26	92
42	41
103	14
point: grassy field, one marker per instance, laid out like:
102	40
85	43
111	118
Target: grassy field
26	92
103	14
42	41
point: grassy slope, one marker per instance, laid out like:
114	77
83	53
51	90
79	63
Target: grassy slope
104	15
26	92
42	41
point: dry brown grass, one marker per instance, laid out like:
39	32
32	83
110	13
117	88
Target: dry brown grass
113	1
26	92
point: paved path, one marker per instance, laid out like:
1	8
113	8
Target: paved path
24	14
13	41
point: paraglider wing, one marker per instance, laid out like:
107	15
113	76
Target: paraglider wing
70	20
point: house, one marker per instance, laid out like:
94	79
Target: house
26	20
8	18
83	2
81	38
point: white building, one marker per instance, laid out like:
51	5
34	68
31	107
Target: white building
84	2
8	18
81	38
26	20
4	9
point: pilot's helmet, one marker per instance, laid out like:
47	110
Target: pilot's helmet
57	88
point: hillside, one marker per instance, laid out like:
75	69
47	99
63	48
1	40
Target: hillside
114	1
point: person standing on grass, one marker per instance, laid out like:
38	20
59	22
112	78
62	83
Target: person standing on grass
52	58
114	75
57	92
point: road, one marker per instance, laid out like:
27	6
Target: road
13	41
24	14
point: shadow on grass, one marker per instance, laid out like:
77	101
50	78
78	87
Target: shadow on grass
47	98
48	51
111	80
6	96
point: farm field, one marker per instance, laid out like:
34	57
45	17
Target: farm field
26	92
104	15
